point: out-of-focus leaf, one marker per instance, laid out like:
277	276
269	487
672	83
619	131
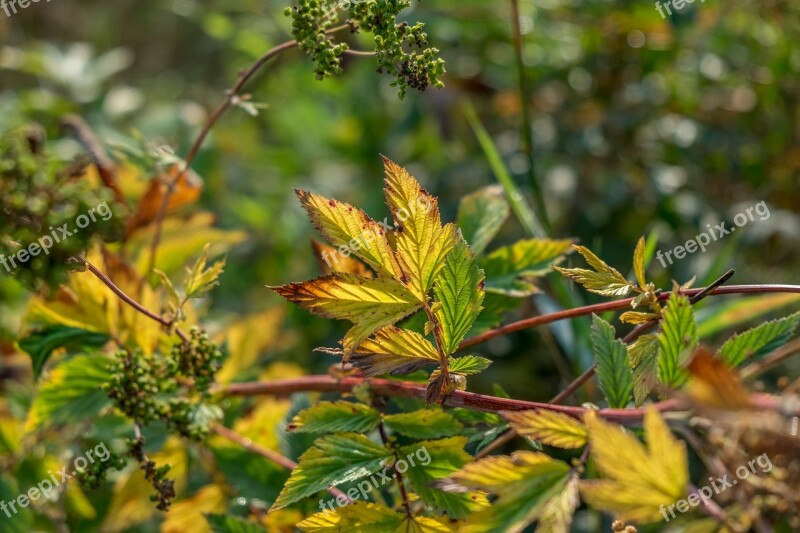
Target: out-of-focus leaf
643	358
366	517
189	514
424	424
713	384
232	524
480	216
72	393
41	344
512	270
636	488
186	191
638	264
726	315
202	279
330	260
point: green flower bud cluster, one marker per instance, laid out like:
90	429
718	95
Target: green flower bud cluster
38	194
311	20
95	473
153	388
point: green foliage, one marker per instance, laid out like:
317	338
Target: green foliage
327	417
512	270
424	424
759	341
677	340
232	524
616	379
40	345
481	214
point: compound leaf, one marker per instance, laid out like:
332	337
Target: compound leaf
549	427
603	279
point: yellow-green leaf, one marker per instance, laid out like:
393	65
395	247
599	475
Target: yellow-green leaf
648	478
368	303
366	517
549	427
327	417
603	280
351	231
391	351
422	242
513	270
424	424
202	279
638	264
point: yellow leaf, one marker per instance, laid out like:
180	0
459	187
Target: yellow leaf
422	242
352	231
188	514
638	264
368	303
549	427
392	350
366	517
713	384
635	317
603	280
638	480
248	338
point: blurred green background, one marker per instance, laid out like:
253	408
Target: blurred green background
641	126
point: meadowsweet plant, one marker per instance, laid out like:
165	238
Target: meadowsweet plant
212	422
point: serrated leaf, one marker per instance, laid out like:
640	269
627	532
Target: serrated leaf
677	340
232	524
333	460
421	241
480	216
468	364
423	424
613	371
459	290
759	341
512	270
202	279
557	513
549	427
525	484
330	260
365	517
603	280
41	344
351	228
638	264
72	393
327	417
643	358
636	317
445	457
648	477
391	351
368	303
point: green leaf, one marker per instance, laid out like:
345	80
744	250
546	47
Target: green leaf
527	485
436	460
423	424
19	522
469	364
677	340
512	270
72	393
616	379
202	279
365	517
232	524
41	344
480	216
333	460
643	358
327	417
459	288
759	341
603	280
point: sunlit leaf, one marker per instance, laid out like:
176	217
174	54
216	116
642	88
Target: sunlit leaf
603	279
327	417
677	340
759	341
469	364
549	427
638	264
366	517
329	260
613	371
648	478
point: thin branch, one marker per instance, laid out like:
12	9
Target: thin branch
268	454
130	301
